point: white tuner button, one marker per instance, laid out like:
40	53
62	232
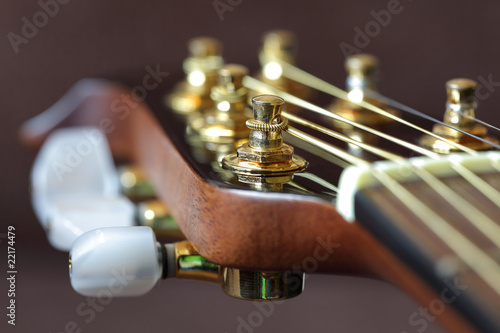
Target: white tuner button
117	261
72	161
74	215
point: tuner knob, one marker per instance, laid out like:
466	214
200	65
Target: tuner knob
121	261
193	94
74	215
281	44
204	47
222	126
278	47
71	160
265	160
128	261
362	75
460	114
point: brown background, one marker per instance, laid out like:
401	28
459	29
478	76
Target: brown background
426	44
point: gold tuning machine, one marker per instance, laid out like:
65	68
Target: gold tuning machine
279	45
193	94
225	122
134	184
136	252
242	284
362	74
460	113
265	159
156	215
150	211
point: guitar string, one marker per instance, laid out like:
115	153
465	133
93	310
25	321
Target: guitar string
485	224
477	259
346	156
441	187
300	187
372	149
312	149
318	180
395	104
479	121
252	83
308	79
478	219
301	76
486	189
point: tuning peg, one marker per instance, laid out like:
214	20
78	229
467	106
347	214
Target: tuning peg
193	94
154	214
134	183
460	112
74	215
126	261
362	76
225	122
279	46
76	188
73	160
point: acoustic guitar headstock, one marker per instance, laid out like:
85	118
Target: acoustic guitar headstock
295	182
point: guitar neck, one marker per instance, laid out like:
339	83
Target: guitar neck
434	235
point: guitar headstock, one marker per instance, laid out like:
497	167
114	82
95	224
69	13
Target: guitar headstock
245	199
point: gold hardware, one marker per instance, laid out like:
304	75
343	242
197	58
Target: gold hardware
193	94
265	159
225	122
251	285
460	112
189	264
362	72
156	215
134	184
247	285
279	45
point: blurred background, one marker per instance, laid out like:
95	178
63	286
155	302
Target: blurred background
420	47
